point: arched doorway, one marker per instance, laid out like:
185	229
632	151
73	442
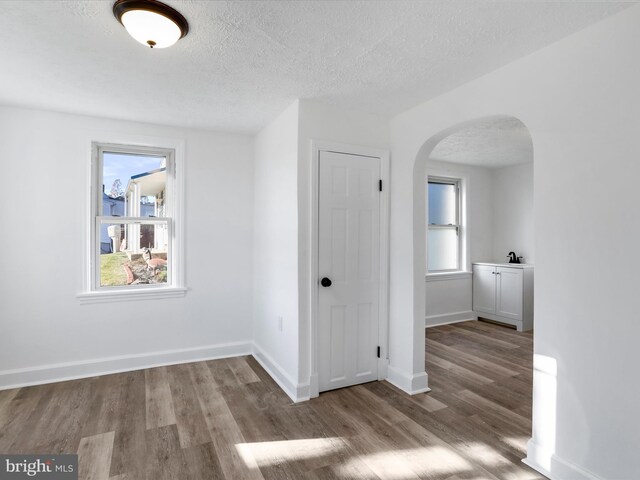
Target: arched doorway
477	157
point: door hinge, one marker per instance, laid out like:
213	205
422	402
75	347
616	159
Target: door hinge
378	352
380	185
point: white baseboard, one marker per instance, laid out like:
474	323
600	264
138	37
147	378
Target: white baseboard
412	384
553	467
314	386
296	392
448	318
61	372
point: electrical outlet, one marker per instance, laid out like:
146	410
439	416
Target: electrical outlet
279	324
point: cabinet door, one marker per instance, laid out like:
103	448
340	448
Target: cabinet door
509	300
484	289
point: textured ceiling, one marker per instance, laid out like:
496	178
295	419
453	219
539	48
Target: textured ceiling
492	143
244	62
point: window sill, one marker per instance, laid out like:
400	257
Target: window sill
87	298
437	277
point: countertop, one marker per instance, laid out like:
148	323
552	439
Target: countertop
508	265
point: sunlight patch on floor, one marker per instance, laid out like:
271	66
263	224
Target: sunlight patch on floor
273	453
391	464
485	455
413	462
519	443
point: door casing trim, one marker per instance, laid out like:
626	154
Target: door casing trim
318	146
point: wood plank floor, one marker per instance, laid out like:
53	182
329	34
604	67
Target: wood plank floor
227	419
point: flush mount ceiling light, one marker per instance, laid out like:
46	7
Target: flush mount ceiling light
150	22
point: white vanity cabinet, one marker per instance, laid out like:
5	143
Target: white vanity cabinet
503	292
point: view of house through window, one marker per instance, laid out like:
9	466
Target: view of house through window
132	221
443	231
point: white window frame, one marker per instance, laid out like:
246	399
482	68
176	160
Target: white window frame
458	183
92	291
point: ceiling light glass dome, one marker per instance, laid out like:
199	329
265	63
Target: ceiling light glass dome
150	22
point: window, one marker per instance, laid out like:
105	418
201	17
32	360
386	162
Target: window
443	231
133	216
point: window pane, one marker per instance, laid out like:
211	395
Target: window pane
133	253
133	185
442	249
442	204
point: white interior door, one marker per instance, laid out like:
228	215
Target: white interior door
349	269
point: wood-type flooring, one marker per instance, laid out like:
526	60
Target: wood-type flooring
227	419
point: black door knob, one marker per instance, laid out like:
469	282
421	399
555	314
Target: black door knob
325	282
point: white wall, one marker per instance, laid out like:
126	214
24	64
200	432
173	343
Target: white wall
513	212
499	205
282	231
580	101
45	163
479	204
450	299
276	248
